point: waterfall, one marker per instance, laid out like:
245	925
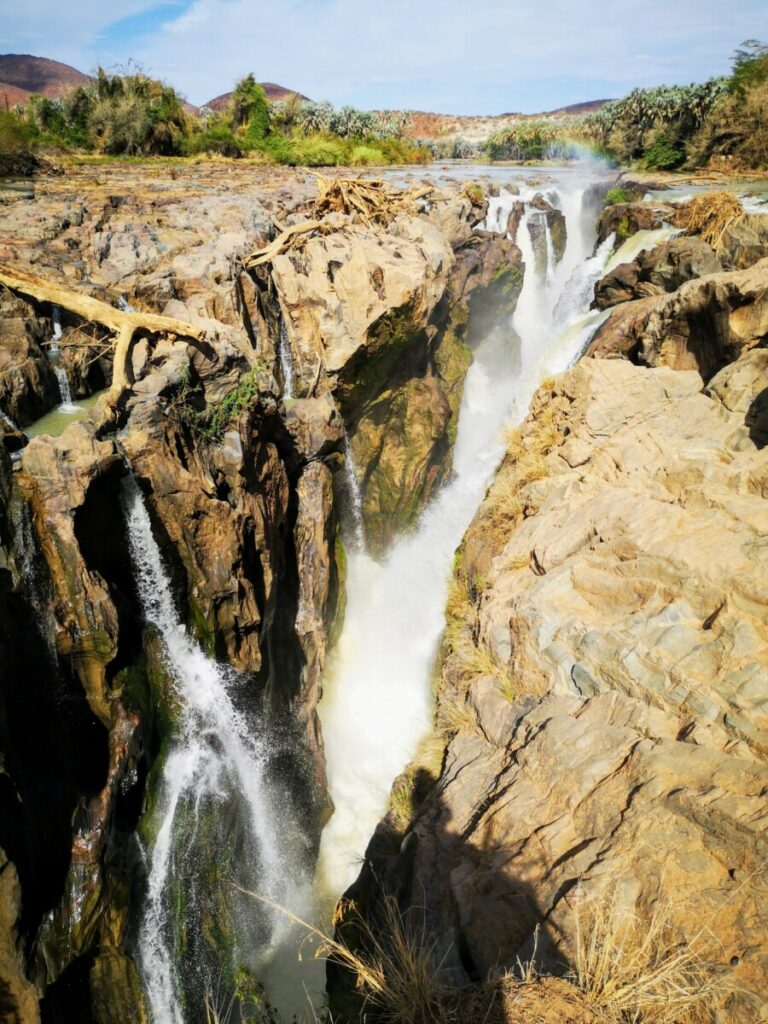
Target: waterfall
550	250
28	575
56	319
216	820
377	703
352	502
67	405
286	361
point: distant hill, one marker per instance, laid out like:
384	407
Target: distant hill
476	127
275	94
21	75
590	107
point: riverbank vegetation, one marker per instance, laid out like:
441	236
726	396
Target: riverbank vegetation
723	121
137	116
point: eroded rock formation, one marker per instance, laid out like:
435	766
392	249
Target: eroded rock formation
243	493
602	686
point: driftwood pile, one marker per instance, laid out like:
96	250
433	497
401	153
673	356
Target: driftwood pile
708	215
370	199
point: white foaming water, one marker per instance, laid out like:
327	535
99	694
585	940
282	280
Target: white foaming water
215	778
286	361
67	405
635	244
354	500
378	703
56	320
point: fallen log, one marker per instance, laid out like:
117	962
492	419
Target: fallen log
123	324
280	244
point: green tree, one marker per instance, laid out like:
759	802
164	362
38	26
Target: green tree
750	66
249	109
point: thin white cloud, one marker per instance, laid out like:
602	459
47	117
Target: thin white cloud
59	29
445	55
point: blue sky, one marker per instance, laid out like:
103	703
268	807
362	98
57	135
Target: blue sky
453	56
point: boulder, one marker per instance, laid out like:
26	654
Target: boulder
744	242
28	386
706	324
657	271
625	219
383	320
610	751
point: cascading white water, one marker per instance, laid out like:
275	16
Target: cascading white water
67	405
286	361
353	500
214	804
8	421
56	320
377	703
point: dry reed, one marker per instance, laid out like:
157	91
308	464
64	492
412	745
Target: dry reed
708	215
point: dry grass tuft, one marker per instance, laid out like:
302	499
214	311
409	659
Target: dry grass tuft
639	971
708	215
395	964
454	713
413	784
522	561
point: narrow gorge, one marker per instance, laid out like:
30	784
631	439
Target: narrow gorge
385	558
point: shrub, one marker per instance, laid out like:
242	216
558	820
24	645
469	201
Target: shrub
210	424
216	137
663	155
616	196
363	156
16	137
317	151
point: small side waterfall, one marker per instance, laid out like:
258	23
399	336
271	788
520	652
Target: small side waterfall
216	822
286	361
56	320
67	405
353	513
8	421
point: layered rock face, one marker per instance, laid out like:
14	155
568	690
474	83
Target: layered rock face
380	319
704	325
602	691
243	493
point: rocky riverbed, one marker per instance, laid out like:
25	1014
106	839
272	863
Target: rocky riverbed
601	717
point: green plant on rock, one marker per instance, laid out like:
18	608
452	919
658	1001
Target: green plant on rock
209	424
617	196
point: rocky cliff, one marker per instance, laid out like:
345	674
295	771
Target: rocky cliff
244	492
601	731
